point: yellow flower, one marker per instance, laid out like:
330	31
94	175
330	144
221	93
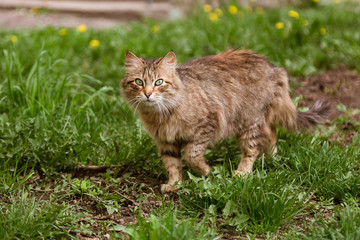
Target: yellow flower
259	10
13	38
304	22
94	43
315	0
337	1
293	14
279	25
213	17
35	10
219	12
155	29
81	28
63	31
232	9
207	8
322	31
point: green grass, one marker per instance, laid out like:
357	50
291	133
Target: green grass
259	203
167	226
60	104
342	224
27	218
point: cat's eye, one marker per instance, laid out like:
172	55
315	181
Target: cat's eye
159	82
139	82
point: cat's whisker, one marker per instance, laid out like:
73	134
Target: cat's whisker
132	103
164	109
134	100
160	109
138	103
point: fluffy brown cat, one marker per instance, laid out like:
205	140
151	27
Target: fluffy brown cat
194	105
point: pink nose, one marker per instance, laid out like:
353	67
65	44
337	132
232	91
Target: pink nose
148	94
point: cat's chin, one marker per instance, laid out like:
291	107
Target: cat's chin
148	106
149	103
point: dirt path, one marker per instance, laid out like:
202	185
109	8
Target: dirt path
65	13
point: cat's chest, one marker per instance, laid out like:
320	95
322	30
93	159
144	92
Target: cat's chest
170	131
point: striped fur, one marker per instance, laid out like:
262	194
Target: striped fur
234	93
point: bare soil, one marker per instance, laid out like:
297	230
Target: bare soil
341	86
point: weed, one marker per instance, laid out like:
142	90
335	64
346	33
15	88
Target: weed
167	226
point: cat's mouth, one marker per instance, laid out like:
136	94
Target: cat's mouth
149	102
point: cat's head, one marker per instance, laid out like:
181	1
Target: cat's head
151	85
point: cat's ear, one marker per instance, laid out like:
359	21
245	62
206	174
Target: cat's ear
169	59
131	60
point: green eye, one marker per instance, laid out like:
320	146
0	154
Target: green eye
139	82
159	82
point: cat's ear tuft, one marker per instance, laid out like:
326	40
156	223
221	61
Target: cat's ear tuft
169	59
131	60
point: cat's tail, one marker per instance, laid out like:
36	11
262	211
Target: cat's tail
294	120
318	113
285	114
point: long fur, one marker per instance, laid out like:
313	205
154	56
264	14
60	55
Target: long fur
234	93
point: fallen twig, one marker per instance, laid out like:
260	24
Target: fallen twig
95	167
127	198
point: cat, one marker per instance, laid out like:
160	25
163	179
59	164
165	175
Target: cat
194	105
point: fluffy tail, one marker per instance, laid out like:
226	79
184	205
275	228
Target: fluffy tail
285	114
318	113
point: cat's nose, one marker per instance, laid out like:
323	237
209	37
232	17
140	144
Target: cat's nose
148	94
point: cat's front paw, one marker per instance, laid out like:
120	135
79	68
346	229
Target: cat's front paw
167	188
241	172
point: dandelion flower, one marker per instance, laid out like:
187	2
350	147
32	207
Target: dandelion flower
322	31
155	29
315	0
207	8
232	9
219	12
337	1
293	14
213	17
13	38
35	10
94	43
81	28
279	25
63	31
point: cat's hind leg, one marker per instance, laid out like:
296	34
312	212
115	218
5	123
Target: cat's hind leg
194	158
256	139
272	140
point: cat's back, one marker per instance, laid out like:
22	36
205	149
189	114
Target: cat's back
228	57
231	63
227	61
